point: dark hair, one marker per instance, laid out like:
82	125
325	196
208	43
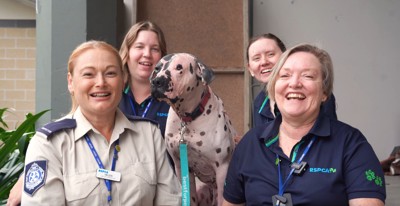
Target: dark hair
278	41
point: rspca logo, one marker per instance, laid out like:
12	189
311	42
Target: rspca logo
322	170
103	171
161	114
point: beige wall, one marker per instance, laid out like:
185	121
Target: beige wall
17	73
17	9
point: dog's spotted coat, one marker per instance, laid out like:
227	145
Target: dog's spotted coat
183	81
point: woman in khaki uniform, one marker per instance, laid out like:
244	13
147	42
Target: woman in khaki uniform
96	155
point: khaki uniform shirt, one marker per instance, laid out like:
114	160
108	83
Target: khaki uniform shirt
70	178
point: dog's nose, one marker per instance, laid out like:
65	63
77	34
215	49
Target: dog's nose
159	82
158	86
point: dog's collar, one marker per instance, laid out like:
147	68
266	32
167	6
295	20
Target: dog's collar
199	109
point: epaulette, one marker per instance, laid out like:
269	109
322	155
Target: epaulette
137	118
54	127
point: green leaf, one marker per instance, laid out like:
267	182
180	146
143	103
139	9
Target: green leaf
13	145
1	117
10	143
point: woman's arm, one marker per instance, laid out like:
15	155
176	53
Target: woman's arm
42	158
366	202
14	198
226	203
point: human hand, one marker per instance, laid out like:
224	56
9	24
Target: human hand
14	199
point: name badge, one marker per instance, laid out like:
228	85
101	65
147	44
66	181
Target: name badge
108	175
285	200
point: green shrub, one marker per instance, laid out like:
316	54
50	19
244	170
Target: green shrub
13	145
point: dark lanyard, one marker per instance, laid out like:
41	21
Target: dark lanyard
283	186
100	164
263	104
145	110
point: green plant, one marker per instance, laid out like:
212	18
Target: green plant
13	145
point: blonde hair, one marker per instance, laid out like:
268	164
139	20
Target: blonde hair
82	48
322	56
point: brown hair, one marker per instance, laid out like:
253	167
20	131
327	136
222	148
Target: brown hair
132	35
278	41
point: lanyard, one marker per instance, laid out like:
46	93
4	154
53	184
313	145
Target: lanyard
100	164
184	168
263	104
145	110
283	186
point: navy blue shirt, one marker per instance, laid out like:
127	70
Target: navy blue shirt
157	111
342	166
262	112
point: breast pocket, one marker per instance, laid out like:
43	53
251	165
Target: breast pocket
146	171
138	183
82	189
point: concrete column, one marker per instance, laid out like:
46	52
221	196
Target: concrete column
61	26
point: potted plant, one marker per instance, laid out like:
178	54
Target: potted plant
13	145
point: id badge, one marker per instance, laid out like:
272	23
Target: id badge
285	200
108	175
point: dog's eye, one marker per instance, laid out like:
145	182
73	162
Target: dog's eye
179	67
155	71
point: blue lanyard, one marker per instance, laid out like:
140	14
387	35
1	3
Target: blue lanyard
145	110
283	186
100	164
184	174
263	104
185	179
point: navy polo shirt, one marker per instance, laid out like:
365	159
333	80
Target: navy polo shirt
158	110
262	114
342	166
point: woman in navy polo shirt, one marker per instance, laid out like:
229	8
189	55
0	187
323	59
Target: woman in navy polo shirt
141	49
304	157
263	52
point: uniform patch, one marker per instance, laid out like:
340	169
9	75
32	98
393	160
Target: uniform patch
53	127
35	176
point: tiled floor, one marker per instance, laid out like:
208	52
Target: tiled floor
392	190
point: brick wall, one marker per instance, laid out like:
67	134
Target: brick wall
17	73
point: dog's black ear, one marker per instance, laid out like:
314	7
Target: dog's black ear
207	74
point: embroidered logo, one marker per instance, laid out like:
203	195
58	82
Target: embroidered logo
370	175
35	176
322	170
161	114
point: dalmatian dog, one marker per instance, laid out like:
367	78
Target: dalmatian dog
197	116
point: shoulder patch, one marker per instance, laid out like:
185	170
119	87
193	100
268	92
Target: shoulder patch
137	118
35	176
53	127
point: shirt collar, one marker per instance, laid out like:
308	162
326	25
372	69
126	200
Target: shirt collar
321	128
128	92
83	126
